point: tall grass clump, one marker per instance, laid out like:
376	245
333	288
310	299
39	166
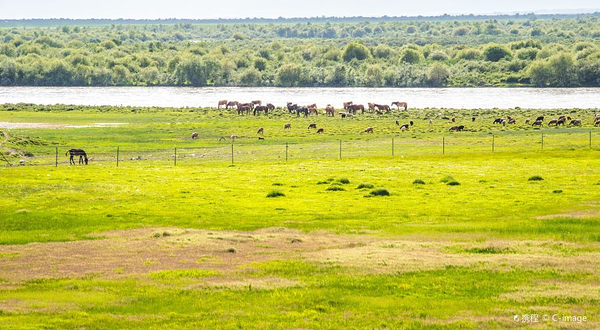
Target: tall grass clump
535	178
275	193
379	192
365	186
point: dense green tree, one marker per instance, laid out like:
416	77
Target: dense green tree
354	50
288	75
438	75
495	53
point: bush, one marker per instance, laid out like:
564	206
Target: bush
365	186
557	191
438	75
335	188
275	193
495	53
354	50
344	181
536	178
379	192
410	56
453	183
438	55
418	181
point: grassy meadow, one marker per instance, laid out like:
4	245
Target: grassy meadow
467	238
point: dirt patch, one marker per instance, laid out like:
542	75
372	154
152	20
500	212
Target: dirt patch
137	252
581	214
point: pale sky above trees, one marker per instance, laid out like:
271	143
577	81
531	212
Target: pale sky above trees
17	9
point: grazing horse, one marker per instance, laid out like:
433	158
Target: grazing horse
540	118
302	110
83	158
292	107
231	104
527	121
313	109
400	104
473	119
561	121
512	121
243	108
498	120
597	122
270	107
404	127
369	130
538	123
260	108
553	122
194	135
457	128
287	126
383	107
371	106
320	131
260	131
222	102
313	125
256	102
575	122
353	108
329	110
347	105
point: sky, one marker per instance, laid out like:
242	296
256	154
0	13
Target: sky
199	9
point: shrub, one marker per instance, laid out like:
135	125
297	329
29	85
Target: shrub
275	193
438	55
344	181
335	188
418	181
410	56
231	250
365	186
535	178
354	50
453	183
557	191
495	53
469	54
323	182
438	75
277	184
379	192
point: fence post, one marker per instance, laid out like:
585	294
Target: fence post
392	147
590	139
175	157
56	159
443	145
117	156
542	140
493	138
232	153
340	149
286	151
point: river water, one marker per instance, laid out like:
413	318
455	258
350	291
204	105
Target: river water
459	98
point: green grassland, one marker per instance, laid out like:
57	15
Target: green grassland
151	245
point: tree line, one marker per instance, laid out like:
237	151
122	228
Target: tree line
525	52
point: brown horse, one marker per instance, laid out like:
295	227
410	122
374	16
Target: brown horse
330	110
256	102
287	126
313	125
383	107
320	131
194	135
260	108
231	104
83	158
243	108
401	104
222	102
347	105
369	130
353	108
371	107
312	109
260	131
270	106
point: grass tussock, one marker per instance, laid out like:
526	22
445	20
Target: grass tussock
365	186
343	181
418	181
379	192
535	178
335	188
183	273
275	193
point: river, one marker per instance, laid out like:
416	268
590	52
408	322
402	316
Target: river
459	98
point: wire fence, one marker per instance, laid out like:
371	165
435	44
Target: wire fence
258	151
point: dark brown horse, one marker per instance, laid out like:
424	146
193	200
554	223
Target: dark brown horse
83	158
231	104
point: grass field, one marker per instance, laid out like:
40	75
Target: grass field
465	239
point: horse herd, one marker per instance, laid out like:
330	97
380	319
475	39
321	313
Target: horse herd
539	121
350	107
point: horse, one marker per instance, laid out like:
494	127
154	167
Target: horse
287	126
83	158
260	108
561	121
553	121
398	122
575	122
320	131
312	109
457	128
256	102
353	108
231	104
540	118
260	130
194	135
498	121
369	130
371	106
400	104
597	122
222	102
538	123
313	125
512	121
473	119
411	123
292	107
527	121
383	107
303	110
243	108
347	105
404	127
329	110
270	107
